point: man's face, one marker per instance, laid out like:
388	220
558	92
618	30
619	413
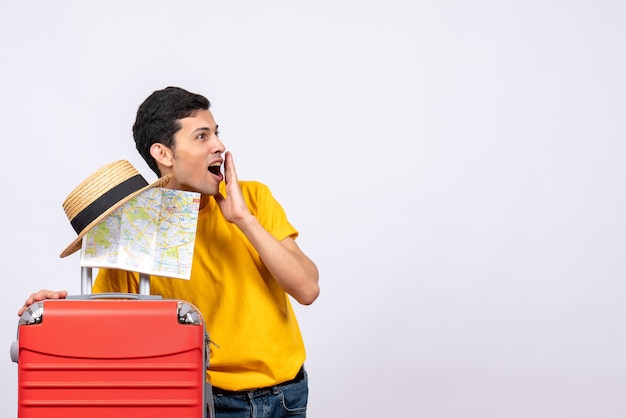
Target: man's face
197	155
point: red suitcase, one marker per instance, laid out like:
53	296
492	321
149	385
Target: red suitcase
112	355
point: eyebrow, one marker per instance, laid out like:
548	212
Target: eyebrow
205	128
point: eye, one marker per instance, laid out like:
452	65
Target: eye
217	133
205	135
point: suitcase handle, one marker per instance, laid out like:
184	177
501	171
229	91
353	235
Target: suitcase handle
114	295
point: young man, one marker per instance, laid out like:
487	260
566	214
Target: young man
245	263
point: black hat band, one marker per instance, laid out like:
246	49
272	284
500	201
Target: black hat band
106	201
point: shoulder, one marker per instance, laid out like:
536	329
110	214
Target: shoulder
259	198
252	185
255	193
254	189
248	186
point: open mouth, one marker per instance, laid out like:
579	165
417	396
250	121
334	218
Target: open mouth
215	168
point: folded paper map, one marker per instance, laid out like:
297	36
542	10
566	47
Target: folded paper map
152	233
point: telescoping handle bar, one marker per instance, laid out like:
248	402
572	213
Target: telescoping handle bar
86	282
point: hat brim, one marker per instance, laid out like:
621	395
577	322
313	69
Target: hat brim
76	244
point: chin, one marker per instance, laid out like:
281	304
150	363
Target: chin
210	191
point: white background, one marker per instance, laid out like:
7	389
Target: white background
455	168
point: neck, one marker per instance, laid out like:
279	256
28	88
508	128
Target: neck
204	200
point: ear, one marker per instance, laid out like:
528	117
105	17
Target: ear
162	154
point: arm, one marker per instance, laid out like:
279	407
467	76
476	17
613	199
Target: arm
291	268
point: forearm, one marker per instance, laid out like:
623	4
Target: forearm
291	268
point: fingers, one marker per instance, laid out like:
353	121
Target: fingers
229	169
232	205
42	295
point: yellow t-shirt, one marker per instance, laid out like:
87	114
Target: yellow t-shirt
247	314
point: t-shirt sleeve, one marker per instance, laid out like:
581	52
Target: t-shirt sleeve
269	212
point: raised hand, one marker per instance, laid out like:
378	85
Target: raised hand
232	205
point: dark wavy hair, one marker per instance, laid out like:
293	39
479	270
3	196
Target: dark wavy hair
158	119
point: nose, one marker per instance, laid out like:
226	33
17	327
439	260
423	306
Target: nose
217	145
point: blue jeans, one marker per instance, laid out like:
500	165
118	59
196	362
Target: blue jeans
286	400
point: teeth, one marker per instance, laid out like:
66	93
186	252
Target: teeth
215	168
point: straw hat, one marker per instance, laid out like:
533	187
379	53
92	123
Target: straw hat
100	194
